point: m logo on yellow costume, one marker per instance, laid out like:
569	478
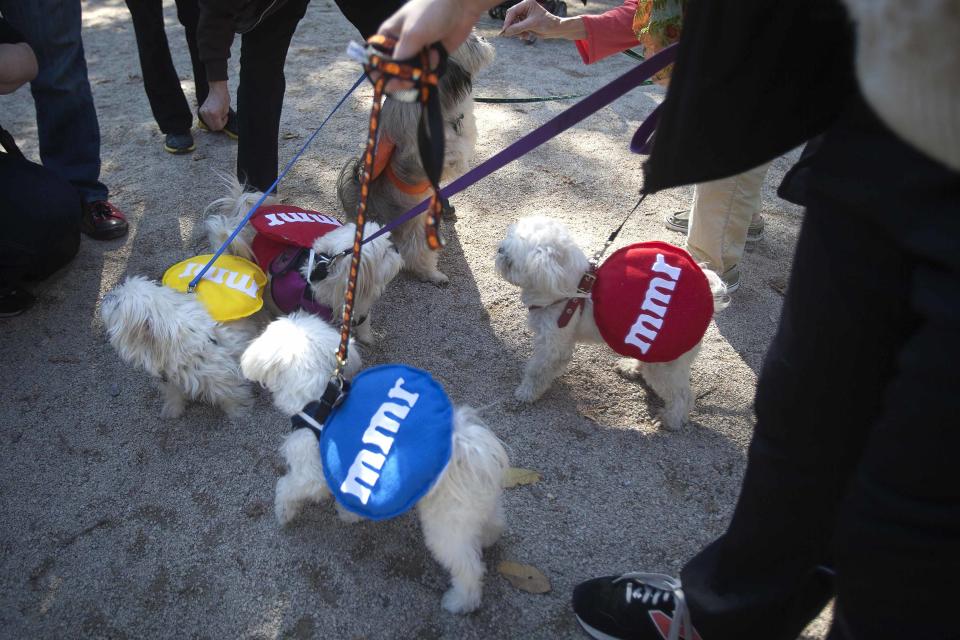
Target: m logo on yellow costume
232	288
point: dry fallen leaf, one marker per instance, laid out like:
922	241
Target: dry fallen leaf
516	477
524	577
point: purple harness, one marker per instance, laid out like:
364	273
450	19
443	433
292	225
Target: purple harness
289	289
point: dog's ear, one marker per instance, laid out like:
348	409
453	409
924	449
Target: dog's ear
545	269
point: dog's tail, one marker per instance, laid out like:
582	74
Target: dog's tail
224	214
479	461
721	299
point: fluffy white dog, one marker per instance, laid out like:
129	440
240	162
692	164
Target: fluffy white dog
460	515
395	191
380	261
171	336
539	256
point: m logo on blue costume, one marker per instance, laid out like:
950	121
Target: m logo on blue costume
385	446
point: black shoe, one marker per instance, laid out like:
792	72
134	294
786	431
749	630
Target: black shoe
101	220
634	606
178	143
14	301
232	128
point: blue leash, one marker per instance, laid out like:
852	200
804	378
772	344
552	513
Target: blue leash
253	210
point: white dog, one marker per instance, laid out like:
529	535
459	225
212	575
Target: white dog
380	262
539	256
171	336
404	183
460	515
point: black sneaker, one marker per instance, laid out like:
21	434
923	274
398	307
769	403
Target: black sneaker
634	606
178	143
232	128
14	301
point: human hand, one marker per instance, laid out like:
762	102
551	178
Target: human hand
17	66
420	23
216	107
529	19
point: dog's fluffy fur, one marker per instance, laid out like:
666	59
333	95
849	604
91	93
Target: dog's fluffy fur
223	215
460	515
171	336
399	121
539	256
380	262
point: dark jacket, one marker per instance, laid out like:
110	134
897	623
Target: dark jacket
753	79
219	21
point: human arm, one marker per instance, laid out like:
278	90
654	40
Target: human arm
215	32
596	37
529	17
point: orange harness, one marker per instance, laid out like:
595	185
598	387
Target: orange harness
381	163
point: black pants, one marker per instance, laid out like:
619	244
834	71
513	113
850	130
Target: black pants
160	78
853	462
263	52
39	216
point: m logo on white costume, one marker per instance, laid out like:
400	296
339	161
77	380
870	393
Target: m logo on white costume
231	279
364	473
279	219
654	308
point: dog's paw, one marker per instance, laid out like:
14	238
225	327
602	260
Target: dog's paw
670	420
629	369
526	392
172	410
435	277
347	517
285	511
458	601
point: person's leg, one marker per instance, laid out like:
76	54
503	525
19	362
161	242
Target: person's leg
720	216
40	215
160	78
897	547
188	13
822	389
66	118
263	52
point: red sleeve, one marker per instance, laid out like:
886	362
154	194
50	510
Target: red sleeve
608	33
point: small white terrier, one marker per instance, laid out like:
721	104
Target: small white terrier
460	515
539	256
171	336
380	262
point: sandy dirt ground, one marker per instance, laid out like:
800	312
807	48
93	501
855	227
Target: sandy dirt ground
118	524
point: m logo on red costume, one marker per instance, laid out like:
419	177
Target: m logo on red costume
651	301
280	226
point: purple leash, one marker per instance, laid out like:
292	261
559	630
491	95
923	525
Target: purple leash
586	107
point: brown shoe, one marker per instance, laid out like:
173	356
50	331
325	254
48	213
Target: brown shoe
103	221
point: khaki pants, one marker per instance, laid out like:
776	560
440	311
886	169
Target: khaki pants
721	212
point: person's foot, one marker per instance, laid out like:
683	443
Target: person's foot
638	606
178	143
232	128
731	278
102	221
14	301
680	221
